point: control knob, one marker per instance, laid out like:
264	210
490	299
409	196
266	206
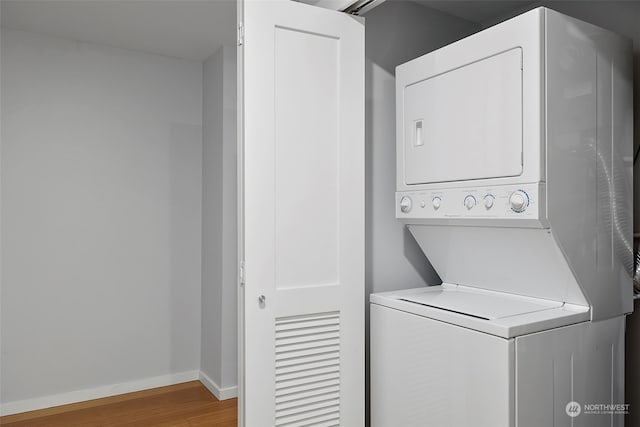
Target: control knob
519	200
405	204
469	202
436	202
488	201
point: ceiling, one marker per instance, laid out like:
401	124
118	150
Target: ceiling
477	11
619	16
194	29
188	29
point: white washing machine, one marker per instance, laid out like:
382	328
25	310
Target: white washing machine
514	167
454	356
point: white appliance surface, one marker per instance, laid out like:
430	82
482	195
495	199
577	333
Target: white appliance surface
523	261
475	109
496	313
418	364
479	303
523	217
430	373
468	114
560	228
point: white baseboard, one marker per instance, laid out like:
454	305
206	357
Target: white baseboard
218	392
19	406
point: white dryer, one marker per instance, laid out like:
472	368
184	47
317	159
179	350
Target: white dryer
514	172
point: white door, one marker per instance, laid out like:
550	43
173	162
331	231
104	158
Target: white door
302	220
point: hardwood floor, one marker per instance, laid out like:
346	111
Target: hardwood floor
188	404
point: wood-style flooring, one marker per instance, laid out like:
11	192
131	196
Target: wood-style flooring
181	405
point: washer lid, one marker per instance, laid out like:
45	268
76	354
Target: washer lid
496	313
480	303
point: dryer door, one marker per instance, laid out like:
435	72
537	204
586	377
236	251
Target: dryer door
465	123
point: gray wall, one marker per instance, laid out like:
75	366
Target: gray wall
219	244
229	341
395	33
211	352
101	213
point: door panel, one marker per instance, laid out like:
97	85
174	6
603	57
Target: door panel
306	158
303	216
465	123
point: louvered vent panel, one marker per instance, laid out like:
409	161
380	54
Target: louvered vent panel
308	370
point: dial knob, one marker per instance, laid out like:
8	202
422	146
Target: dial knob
488	201
405	204
519	200
469	202
436	202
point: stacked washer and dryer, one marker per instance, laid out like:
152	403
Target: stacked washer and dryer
514	167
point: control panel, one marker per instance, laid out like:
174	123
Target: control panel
517	201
